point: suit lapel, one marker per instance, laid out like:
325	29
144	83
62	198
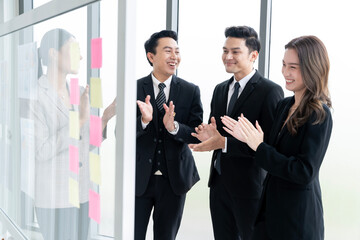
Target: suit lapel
174	90
223	101
279	129
53	96
249	88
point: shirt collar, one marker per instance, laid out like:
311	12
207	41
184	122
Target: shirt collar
244	80
157	82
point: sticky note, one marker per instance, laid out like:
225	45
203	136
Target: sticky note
95	93
96	53
74	159
95	131
94	206
74	56
74	193
95	172
74	125
74	91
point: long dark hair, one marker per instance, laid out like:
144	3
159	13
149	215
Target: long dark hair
55	38
314	67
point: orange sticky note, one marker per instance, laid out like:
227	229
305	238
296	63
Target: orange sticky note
95	130
96	53
74	158
94	206
74	91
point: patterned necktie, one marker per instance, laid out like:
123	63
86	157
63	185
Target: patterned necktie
233	98
161	99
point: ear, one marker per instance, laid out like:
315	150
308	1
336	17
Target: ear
254	55
150	56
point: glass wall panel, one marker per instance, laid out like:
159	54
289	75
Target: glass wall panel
150	18
335	23
201	37
38	3
56	178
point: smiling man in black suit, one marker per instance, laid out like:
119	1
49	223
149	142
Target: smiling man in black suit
235	180
165	167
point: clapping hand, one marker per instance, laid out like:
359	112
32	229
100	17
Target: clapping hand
146	110
244	131
210	137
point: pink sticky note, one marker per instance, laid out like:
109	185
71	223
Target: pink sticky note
74	91
94	206
74	158
96	53
95	130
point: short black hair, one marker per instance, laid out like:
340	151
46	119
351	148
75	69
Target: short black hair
248	33
151	44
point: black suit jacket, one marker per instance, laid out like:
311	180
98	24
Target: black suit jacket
257	101
182	172
291	200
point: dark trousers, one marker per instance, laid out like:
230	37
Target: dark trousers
232	217
167	210
260	231
64	223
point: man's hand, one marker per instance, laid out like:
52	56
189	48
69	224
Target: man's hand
169	116
205	131
216	141
146	110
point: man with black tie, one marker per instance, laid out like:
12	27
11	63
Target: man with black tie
165	167
235	180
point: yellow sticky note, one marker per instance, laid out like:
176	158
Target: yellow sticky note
75	56
74	193
96	93
74	125
95	172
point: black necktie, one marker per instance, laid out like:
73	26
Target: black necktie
161	99
233	98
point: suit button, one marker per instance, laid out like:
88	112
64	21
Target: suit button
160	141
150	161
159	152
155	139
80	164
158	163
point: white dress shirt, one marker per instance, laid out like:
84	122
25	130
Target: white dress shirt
167	93
242	83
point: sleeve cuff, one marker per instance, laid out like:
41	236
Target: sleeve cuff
144	125
224	150
176	130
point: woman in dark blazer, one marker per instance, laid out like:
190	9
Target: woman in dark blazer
291	206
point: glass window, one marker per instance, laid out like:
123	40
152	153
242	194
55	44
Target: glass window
337	28
38	3
201	38
150	18
56	178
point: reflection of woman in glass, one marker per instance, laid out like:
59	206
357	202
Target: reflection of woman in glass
291	205
58	188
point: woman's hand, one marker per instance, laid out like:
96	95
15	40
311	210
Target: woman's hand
244	131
